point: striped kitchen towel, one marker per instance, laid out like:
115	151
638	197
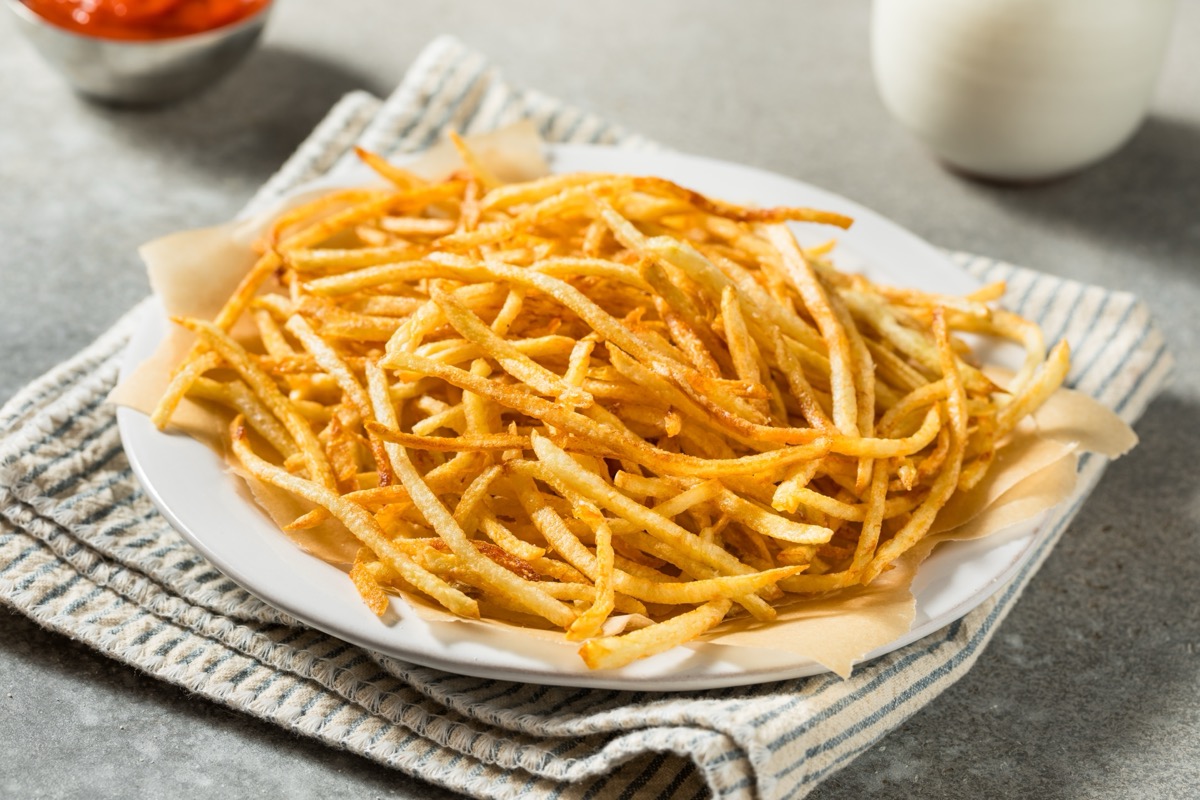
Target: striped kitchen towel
83	551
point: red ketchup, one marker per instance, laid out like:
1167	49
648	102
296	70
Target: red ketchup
143	19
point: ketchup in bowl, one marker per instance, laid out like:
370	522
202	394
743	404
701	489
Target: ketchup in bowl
143	19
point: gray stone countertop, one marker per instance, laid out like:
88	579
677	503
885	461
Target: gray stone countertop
1091	688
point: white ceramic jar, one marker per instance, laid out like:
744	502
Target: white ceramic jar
1019	90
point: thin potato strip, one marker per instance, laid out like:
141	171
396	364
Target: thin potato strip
417	226
737	337
786	497
312	211
841	369
762	311
270	334
761	520
802	392
513	303
871	447
686	318
692	570
908	339
611	652
364	576
180	384
379	275
411	199
466	513
331	363
477	168
564	267
590	312
1046	380
590	622
402	178
537	190
868	539
731	506
742	213
450	444
503	537
336	260
560	204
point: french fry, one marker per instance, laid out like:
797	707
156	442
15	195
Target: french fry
590	622
364	575
181	384
611	652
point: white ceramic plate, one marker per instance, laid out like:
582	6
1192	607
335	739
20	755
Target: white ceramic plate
191	486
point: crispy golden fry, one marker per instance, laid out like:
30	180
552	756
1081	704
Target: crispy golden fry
476	167
590	395
483	441
364	573
610	652
605	600
841	371
402	178
181	384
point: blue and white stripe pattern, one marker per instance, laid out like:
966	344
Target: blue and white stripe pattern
83	551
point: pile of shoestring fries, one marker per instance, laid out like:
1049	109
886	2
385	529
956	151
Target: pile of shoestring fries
599	403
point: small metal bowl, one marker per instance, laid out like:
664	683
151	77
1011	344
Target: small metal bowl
124	72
